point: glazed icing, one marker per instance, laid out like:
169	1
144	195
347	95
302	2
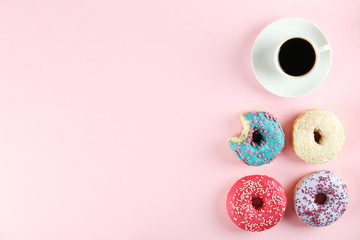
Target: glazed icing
337	198
240	205
317	136
257	153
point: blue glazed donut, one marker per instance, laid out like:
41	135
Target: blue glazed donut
261	139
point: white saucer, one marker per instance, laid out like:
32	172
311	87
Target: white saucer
263	62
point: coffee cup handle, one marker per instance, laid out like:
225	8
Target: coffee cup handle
324	48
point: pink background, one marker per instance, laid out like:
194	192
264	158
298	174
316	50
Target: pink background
115	116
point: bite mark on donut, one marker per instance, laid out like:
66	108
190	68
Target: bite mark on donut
244	133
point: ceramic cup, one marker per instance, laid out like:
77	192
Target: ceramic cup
311	62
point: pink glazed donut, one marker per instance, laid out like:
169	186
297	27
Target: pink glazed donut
256	203
320	198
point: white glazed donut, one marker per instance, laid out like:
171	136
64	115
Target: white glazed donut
320	198
317	136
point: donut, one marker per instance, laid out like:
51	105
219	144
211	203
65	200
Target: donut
261	139
317	136
320	198
256	203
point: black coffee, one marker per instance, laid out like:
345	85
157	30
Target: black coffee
296	56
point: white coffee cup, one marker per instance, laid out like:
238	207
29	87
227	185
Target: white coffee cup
302	70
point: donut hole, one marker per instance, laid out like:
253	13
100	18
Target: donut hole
257	137
317	136
257	202
320	198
